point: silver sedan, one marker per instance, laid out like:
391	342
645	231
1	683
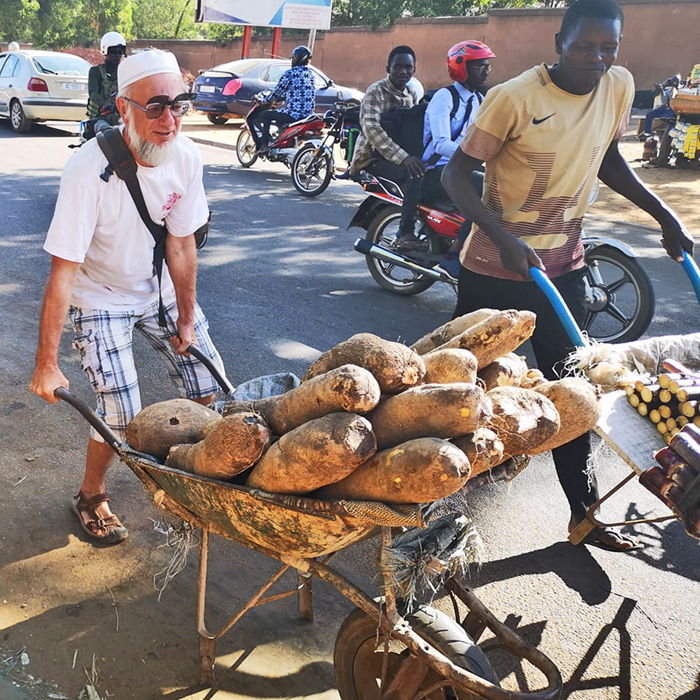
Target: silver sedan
41	86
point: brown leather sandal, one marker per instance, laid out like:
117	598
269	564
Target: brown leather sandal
103	530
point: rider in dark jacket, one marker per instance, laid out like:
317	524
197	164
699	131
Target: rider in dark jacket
102	81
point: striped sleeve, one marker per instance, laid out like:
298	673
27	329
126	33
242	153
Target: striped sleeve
492	127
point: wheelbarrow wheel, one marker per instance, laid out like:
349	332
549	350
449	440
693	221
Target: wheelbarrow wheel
359	655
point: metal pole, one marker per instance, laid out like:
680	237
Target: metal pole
276	41
247	31
312	39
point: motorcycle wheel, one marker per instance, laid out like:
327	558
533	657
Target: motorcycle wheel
358	656
622	299
311	173
664	157
245	148
383	231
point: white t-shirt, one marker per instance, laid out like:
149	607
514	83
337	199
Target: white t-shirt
96	223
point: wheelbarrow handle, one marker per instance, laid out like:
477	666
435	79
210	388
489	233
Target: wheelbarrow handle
559	306
220	378
691	269
90	416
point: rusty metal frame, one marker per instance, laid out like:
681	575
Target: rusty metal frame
391	624
591	523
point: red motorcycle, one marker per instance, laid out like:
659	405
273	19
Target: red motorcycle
284	143
620	298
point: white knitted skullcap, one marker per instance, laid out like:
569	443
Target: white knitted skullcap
144	64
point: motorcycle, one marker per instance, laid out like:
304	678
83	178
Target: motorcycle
673	144
620	300
284	143
87	126
313	166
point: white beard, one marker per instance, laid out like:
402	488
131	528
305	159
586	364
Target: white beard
150	153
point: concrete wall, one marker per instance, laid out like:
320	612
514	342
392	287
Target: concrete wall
660	39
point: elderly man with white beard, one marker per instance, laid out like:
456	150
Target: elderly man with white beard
102	273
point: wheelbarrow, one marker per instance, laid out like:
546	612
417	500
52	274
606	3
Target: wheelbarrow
304	534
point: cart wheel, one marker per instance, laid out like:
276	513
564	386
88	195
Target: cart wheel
359	653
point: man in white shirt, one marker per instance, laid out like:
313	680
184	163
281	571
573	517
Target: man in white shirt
449	114
102	272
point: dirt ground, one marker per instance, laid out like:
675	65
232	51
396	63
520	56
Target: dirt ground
680	189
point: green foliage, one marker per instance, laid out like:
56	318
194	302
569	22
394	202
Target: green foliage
166	19
17	17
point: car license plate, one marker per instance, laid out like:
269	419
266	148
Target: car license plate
207	88
73	86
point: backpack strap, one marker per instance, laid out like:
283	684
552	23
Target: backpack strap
455	101
122	163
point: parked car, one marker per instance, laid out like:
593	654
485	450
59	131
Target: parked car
227	90
42	85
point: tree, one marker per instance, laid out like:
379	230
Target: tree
17	17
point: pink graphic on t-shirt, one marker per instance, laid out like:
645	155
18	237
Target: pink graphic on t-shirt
171	202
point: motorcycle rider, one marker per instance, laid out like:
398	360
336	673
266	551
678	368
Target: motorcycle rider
666	90
468	64
102	82
378	154
545	136
297	88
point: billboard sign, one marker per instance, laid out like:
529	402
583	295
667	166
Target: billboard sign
292	14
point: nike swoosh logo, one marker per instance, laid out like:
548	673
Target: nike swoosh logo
536	121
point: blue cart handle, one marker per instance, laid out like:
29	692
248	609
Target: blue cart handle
693	273
559	306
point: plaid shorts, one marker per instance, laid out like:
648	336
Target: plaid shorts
104	340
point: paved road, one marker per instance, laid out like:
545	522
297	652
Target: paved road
280	282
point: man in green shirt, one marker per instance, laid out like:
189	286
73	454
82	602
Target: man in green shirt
102	81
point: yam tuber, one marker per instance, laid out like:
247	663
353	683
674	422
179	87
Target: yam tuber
508	370
430	410
495	336
449	330
317	453
347	388
450	366
393	365
484	450
230	447
576	402
417	471
522	418
161	425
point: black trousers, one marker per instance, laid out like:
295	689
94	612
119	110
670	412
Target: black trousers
551	345
263	121
412	189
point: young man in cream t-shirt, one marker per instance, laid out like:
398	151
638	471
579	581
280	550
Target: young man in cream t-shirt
545	136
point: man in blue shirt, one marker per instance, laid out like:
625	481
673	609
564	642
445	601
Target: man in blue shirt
297	89
448	116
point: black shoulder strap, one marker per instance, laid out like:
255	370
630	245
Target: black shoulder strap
455	100
123	164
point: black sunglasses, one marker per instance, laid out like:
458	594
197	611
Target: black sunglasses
156	105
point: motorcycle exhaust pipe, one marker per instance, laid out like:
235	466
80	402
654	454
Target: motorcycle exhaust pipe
363	246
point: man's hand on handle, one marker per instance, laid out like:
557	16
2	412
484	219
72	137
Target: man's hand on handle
675	239
517	256
184	338
46	380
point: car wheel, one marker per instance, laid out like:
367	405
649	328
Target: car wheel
18	119
217	119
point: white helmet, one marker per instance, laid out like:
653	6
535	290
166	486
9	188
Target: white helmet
111	39
13	46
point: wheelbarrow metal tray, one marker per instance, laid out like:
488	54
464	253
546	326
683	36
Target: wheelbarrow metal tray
288	525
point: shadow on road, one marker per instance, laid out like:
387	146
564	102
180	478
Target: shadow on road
575	566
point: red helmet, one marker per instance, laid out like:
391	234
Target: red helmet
460	54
